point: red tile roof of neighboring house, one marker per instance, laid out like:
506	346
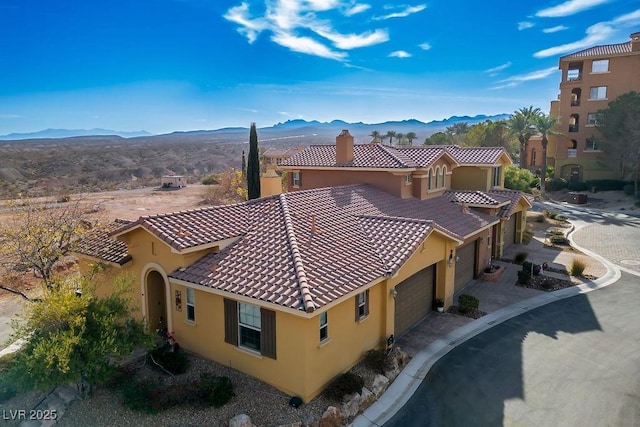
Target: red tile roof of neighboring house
305	249
475	197
514	197
607	49
100	245
392	157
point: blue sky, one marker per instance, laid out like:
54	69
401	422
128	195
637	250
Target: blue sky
166	65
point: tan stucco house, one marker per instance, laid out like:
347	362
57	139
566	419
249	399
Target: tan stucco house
294	288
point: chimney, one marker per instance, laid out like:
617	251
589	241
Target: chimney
344	147
635	42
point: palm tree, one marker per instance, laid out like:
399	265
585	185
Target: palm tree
544	125
521	124
411	136
457	131
400	138
391	134
375	135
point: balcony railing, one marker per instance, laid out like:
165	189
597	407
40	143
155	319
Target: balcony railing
573	128
574	77
572	152
575	103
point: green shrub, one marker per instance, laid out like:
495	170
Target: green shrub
520	179
556	184
343	384
561	218
215	390
550	214
173	360
210	180
606	184
137	395
467	303
520	257
376	360
577	267
577	186
524	277
531	267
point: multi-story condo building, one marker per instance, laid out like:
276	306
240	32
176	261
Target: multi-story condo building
591	78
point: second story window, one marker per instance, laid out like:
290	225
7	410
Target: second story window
362	305
495	177
592	119
598	92
593	144
574	122
296	179
600	66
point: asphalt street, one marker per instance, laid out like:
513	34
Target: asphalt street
575	362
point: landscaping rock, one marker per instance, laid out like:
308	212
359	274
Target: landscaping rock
380	384
367	398
331	417
351	405
242	420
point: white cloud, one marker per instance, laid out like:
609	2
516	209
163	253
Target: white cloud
555	29
306	45
524	25
514	81
357	8
493	71
10	116
399	54
286	20
597	33
424	46
568	8
408	10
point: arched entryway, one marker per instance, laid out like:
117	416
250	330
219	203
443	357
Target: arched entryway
156	301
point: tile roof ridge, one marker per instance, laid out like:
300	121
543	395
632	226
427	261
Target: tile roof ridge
398	218
599	46
201	209
390	150
307	299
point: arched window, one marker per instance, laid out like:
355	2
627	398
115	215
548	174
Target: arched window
429	178
444	176
437	177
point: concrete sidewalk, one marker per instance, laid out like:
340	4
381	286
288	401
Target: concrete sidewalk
440	333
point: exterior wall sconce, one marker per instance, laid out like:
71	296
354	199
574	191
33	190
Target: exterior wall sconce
450	261
394	293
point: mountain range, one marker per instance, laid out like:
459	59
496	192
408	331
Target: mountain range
293	129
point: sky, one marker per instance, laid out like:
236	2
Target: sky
180	65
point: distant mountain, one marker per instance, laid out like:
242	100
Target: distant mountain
291	132
69	133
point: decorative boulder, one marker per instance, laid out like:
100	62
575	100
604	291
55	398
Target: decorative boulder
242	420
331	417
351	405
380	384
367	398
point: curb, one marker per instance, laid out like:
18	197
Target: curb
407	382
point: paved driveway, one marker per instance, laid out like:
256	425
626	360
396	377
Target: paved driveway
575	362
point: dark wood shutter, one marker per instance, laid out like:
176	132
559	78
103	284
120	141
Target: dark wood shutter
268	333
356	310
366	302
230	322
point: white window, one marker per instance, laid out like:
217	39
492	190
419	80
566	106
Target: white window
249	326
601	66
362	305
279	161
429	179
591	119
444	174
573	74
296	179
324	326
495	177
598	92
592	144
437	177
191	305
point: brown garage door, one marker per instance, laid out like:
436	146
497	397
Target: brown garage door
414	299
465	265
510	231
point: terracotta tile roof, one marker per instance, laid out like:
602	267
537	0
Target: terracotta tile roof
391	157
364	156
305	249
513	196
196	227
476	155
607	49
474	197
280	152
100	245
